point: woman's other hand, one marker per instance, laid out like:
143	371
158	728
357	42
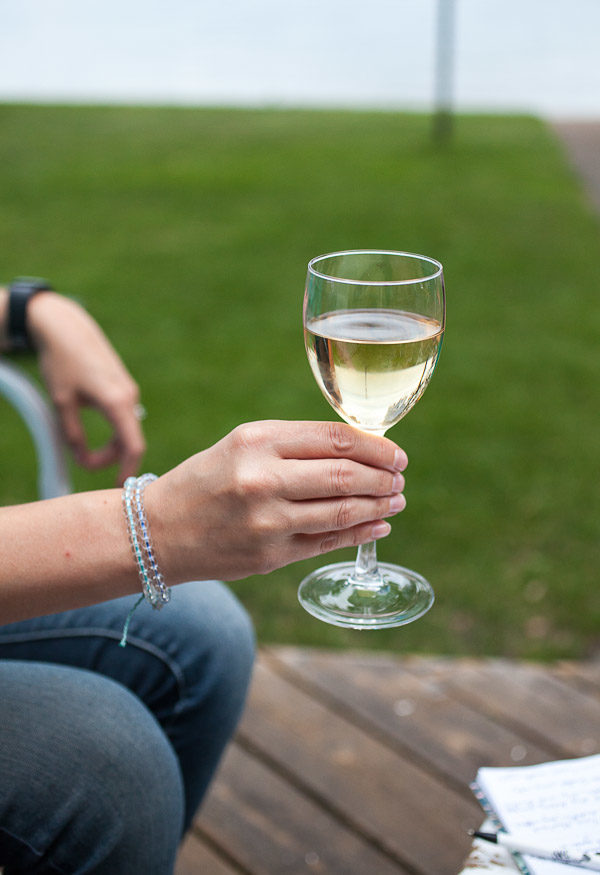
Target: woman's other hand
82	369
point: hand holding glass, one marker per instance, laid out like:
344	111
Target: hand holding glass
373	328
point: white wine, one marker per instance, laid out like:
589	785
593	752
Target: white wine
372	365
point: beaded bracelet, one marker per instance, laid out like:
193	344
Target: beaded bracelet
159	593
154	589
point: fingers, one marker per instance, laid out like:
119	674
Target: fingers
322	440
126	447
334	515
315	545
131	444
332	478
73	431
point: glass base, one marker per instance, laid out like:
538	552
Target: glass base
335	595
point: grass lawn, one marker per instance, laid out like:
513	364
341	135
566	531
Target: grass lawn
186	233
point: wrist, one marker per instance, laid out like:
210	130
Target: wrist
44	313
167	519
20	293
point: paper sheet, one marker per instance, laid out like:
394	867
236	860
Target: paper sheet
557	804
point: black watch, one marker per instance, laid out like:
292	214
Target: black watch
19	293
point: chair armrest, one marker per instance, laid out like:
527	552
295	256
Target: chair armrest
27	399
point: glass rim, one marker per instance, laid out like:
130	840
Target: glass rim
426	258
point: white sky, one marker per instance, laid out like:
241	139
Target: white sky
538	56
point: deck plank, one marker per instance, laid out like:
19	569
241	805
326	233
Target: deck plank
359	763
584	676
196	858
380	792
270	828
530	699
411	711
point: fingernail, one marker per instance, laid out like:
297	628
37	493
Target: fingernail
397	502
400	460
380	530
398	483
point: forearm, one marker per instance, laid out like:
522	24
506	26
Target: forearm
267	494
64	553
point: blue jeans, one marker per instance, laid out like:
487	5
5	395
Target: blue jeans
106	752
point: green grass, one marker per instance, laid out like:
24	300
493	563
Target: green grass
186	233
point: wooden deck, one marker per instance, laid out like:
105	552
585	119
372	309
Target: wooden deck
359	764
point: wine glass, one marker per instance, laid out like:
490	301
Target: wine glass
373	328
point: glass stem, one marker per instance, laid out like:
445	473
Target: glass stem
365	569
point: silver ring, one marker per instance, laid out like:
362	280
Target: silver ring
140	412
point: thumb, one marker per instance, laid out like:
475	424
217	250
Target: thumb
73	431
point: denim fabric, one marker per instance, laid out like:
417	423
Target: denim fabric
106	752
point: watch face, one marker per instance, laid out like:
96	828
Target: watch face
30	284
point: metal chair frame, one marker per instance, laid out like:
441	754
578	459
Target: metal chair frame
35	411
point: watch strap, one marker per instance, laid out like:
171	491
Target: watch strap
20	292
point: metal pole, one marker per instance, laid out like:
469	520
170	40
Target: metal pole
444	70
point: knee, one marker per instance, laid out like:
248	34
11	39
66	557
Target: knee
232	642
216	641
207	639
130	804
144	811
118	804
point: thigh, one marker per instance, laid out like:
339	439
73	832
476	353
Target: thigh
189	663
202	630
88	780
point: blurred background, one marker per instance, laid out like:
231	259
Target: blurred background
176	169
